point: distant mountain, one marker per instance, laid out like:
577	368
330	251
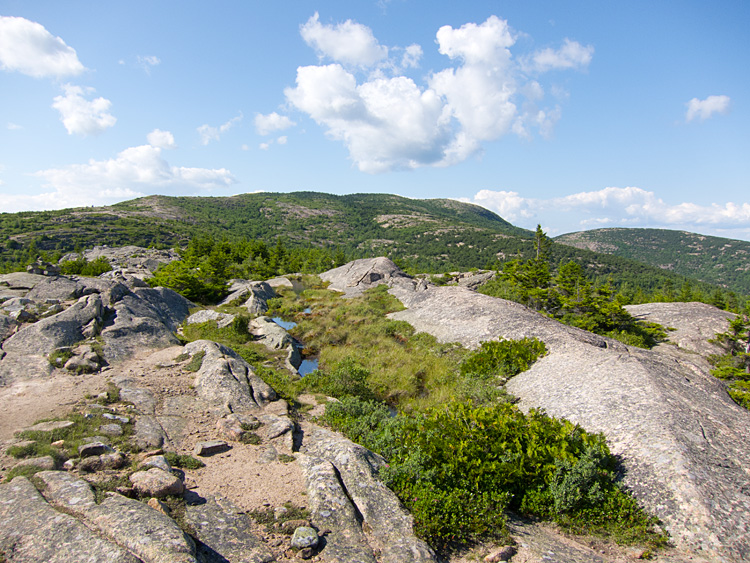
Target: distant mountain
434	235
720	261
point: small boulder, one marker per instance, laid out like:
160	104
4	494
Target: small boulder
114	460
234	426
158	461
502	554
46	462
156	483
51	426
304	536
111	429
211	447
93	448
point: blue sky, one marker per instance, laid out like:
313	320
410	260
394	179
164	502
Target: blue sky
575	115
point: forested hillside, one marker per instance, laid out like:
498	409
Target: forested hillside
433	236
720	261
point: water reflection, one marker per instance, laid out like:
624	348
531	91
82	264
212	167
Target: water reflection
286	325
308	366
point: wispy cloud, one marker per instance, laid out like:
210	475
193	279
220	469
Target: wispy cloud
148	62
209	133
134	172
703	109
267	124
612	206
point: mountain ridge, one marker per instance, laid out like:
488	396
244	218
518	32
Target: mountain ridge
716	260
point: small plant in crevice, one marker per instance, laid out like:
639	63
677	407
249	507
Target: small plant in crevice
196	361
183	461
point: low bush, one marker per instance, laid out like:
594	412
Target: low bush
458	467
504	358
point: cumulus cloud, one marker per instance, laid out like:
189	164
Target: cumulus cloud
134	172
161	139
148	62
612	206
349	42
703	109
267	124
572	55
80	115
388	121
209	133
27	47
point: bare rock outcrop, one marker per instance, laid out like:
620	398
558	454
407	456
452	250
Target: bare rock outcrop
694	324
133	260
34	531
355	277
343	487
63	312
226	379
684	444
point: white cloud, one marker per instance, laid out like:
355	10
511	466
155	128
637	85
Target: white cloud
148	62
13	126
209	133
161	139
572	55
82	116
134	172
282	140
27	47
387	121
703	109
349	43
267	124
412	56
612	206
264	146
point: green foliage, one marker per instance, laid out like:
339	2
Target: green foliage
504	358
715	260
73	436
191	282
734	365
251	438
571	298
347	379
60	356
22	471
82	267
183	461
196	361
457	467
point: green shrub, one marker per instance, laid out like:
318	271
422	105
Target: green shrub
82	267
457	468
183	461
251	438
504	358
190	282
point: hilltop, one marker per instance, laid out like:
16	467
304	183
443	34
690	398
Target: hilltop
720	261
